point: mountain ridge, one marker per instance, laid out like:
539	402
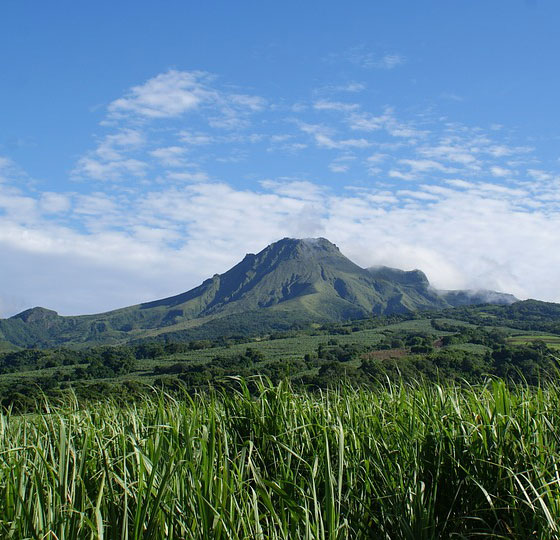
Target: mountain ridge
291	279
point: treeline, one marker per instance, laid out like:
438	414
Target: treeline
395	355
88	372
409	356
525	315
38	359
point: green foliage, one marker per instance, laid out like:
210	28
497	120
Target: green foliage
35	359
366	352
525	315
108	362
406	462
550	340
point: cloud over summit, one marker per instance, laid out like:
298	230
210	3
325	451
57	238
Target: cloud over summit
186	175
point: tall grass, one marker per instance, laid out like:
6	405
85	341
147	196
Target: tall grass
400	462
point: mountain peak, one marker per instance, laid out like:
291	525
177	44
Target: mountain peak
36	314
293	280
410	277
318	242
302	247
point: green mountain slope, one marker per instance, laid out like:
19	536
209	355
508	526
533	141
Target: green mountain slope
290	281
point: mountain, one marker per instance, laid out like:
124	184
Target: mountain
290	281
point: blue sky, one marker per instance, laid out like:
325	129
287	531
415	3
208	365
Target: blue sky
146	146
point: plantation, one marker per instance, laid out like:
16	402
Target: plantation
433	347
265	461
552	341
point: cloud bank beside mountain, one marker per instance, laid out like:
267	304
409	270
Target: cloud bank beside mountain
187	174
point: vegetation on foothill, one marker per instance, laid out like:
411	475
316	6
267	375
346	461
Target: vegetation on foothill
432	347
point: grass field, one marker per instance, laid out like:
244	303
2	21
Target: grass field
401	462
553	341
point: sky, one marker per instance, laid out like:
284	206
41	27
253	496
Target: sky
145	146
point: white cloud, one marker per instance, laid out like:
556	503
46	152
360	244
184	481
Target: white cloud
390	61
170	156
458	183
253	103
338	167
500	172
323	138
195	139
366	59
378	157
400	175
54	203
447	151
98	169
424	165
175	93
342	163
364	121
422	195
167	241
298	189
285	143
352	87
367	122
164	226
326	105
501	150
95	204
184	176
451	96
5	166
382	198
112	146
4	162
164	96
9	171
541	176
17	206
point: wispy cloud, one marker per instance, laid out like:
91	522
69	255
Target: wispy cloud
54	203
367	59
390	61
451	96
109	170
467	234
170	156
196	139
337	167
192	176
500	172
111	161
323	138
326	105
400	175
352	87
182	158
164	96
364	121
174	93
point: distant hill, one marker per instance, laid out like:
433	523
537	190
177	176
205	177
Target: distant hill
289	282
